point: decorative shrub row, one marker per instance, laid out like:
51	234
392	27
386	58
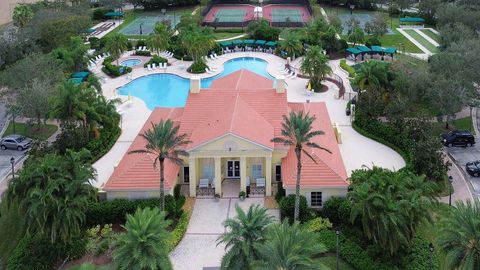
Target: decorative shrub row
115	211
98	147
143	53
337	210
115	71
347	68
180	229
156	60
287	209
39	253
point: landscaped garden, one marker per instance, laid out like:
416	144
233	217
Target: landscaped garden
39	132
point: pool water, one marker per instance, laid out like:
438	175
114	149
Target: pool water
168	90
131	62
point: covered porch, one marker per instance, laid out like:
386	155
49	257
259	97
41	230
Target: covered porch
228	175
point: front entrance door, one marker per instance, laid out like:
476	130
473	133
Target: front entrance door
233	168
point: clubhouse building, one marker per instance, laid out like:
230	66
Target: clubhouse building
230	126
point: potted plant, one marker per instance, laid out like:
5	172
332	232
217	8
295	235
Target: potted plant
242	195
217	197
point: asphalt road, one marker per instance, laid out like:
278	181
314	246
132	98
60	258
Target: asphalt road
462	155
5	165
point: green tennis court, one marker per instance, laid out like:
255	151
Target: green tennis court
283	15
147	23
230	15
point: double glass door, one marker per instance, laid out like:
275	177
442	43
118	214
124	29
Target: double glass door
233	168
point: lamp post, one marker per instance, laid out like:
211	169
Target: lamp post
337	232
141	31
171	6
430	247
12	161
450	179
351	8
471	124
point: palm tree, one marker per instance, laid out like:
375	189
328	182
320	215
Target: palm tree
159	40
297	131
315	65
197	42
291	43
144	245
69	103
289	247
116	44
163	141
372	76
241	233
357	36
459	238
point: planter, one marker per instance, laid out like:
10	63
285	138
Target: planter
242	195
216	198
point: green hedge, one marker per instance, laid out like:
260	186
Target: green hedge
287	208
229	30
115	71
180	229
156	60
143	53
347	68
352	253
100	146
337	210
115	211
197	68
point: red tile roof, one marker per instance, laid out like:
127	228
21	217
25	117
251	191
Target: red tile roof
328	169
243	104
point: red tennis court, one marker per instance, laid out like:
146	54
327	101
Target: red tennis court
230	13
283	13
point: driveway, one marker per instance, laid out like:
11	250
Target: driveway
198	248
462	155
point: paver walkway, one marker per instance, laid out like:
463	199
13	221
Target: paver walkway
198	247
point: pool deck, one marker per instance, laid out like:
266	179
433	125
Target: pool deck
356	149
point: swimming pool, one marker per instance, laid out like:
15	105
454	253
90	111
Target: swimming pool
131	62
169	90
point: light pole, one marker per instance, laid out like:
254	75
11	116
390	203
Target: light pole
450	179
471	124
430	246
337	232
12	161
171	6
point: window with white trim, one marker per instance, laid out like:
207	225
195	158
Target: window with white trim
257	171
316	198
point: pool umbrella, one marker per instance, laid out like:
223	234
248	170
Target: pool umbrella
260	42
248	41
113	14
237	42
225	43
81	74
271	44
90	30
377	49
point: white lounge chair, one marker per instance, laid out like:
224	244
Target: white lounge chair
149	67
211	57
203	183
208	71
216	56
164	66
154	66
260	182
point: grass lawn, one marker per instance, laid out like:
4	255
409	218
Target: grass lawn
41	132
425	43
460	123
223	35
331	262
84	266
396	39
431	34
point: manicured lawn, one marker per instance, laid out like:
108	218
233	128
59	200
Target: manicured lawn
331	261
425	43
396	39
431	34
460	123
41	132
223	35
78	267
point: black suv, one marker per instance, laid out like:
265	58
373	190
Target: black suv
458	137
473	168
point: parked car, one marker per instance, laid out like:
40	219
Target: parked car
458	138
18	142
473	168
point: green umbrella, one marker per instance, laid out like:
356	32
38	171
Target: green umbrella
248	41
271	44
225	43
237	42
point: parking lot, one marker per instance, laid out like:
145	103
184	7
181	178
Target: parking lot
462	155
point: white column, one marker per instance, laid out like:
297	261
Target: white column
268	176
195	84
243	174
218	176
192	167
280	87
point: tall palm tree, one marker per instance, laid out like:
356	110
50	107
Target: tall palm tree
315	65
291	43
144	245
159	40
459	237
371	75
197	42
242	232
116	44
297	132
289	247
163	141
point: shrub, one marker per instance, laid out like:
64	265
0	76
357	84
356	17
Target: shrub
229	30
177	191
98	14
114	70
101	145
318	224
156	60
331	210
287	208
373	41
143	53
198	67
94	43
280	192
35	252
418	257
347	68
342	45
179	231
141	42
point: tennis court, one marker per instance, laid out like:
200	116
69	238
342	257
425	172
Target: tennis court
286	13
230	13
147	23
